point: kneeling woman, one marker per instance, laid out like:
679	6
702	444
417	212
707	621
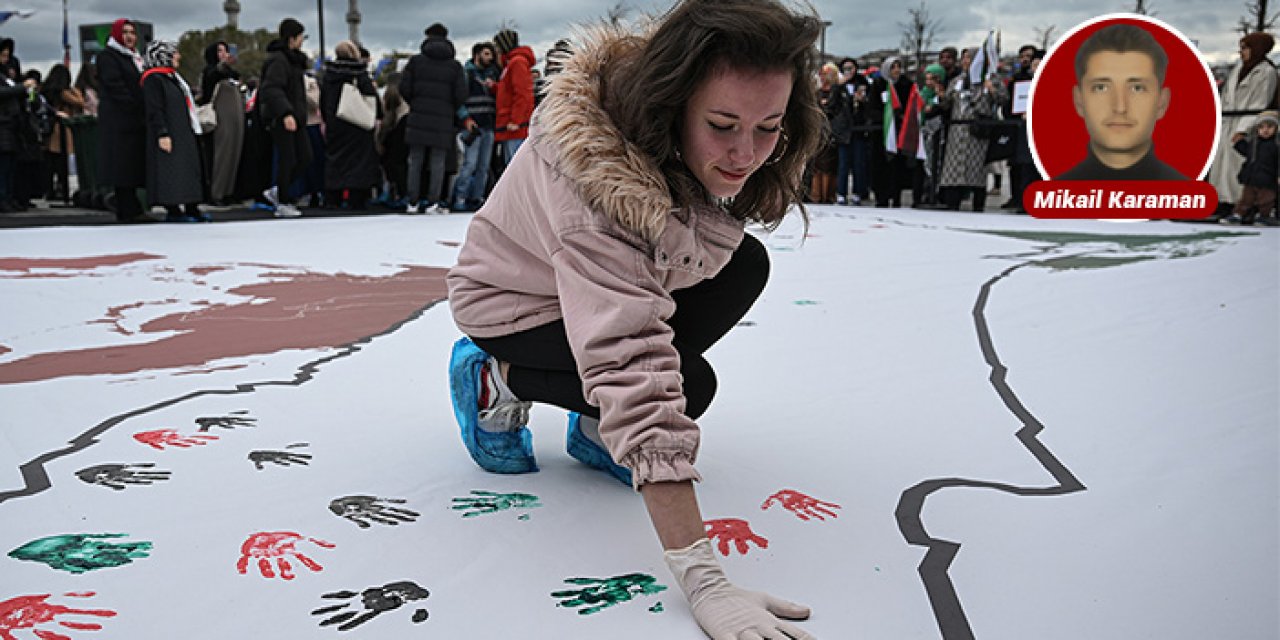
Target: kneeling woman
612	254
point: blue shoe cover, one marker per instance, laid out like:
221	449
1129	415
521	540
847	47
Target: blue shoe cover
590	453
496	452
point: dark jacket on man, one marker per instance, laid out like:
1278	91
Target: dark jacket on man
435	87
481	103
122	125
282	91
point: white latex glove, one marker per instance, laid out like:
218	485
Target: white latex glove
727	612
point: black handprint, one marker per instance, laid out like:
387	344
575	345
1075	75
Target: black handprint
116	476
376	600
362	509
226	422
282	458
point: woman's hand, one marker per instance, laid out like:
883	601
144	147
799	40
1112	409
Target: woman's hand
166	144
725	611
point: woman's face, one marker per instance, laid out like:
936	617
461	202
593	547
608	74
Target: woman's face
1245	52
731	126
129	36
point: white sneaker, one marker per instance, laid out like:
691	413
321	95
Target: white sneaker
500	410
438	209
855	199
287	211
412	208
270	195
841	200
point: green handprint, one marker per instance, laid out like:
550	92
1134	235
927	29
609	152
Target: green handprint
81	552
482	502
602	593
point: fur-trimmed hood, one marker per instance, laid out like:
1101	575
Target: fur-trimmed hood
610	173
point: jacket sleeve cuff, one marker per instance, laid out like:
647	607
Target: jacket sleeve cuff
659	466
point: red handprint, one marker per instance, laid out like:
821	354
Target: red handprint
28	612
802	505
266	545
160	438
738	531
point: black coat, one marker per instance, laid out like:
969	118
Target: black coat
12	115
839	110
122	126
351	159
1261	164
435	86
282	91
174	177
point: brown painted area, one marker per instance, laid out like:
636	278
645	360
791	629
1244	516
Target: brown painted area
25	265
297	311
206	270
115	314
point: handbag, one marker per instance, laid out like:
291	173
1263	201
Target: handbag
205	113
357	108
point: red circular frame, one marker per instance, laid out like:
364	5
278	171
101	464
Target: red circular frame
1185	138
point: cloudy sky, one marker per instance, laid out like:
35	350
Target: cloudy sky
857	26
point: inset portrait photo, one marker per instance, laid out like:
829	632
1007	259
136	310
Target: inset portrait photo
1123	97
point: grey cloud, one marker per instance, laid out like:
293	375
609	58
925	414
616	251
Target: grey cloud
857	27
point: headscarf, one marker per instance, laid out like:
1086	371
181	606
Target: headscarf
1259	45
160	55
117	29
115	42
927	92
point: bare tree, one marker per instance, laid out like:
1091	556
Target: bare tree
1256	19
1044	35
617	14
918	33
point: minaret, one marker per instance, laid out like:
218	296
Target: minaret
353	21
233	13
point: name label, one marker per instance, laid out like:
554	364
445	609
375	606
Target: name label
1120	199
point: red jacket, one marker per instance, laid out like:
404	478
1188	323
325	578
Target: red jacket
515	94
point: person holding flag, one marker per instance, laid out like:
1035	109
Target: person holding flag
890	173
969	96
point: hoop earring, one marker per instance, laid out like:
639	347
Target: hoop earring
786	142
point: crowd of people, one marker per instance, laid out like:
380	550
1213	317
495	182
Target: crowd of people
440	132
433	141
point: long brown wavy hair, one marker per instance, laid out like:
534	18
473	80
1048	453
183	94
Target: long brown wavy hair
649	83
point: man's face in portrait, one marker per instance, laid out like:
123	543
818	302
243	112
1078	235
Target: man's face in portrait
1120	100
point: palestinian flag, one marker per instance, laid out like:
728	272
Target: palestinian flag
911	137
891	104
987	60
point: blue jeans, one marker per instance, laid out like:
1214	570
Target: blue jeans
509	148
473	177
854	158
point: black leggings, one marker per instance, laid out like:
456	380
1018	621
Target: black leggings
543	368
